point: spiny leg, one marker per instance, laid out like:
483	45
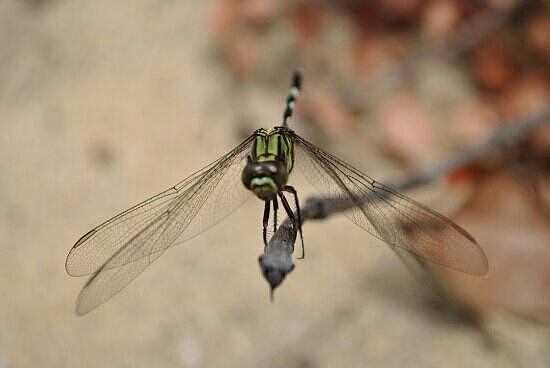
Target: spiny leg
267	208
290	189
275	209
292	96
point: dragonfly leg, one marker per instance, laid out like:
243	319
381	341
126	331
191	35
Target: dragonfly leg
290	189
267	208
292	217
275	209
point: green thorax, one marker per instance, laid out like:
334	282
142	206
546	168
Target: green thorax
274	144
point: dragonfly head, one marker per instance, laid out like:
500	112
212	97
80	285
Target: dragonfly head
264	178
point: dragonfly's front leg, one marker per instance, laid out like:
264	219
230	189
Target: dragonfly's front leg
290	189
293	220
275	209
267	209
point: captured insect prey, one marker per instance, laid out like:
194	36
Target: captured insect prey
117	251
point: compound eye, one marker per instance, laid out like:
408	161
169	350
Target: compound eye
250	171
281	175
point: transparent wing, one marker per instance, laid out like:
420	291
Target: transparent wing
388	215
118	250
423	273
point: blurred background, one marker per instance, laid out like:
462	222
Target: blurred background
105	103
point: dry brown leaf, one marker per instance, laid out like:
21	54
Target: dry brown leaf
493	63
528	95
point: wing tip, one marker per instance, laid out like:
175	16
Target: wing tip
77	244
68	267
80	310
483	268
83	305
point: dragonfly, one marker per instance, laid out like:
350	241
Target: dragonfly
115	252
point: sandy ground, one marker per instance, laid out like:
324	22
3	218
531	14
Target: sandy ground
102	105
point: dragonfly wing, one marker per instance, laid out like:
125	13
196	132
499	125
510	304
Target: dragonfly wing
119	249
422	272
388	215
109	280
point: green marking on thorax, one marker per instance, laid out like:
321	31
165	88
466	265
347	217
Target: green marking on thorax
273	145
